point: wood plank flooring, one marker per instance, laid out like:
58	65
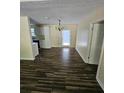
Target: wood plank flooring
58	70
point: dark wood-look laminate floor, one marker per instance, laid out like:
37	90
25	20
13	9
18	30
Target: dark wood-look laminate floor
58	70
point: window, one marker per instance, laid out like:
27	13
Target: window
65	37
33	32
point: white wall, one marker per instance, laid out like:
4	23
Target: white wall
55	36
83	34
26	51
100	71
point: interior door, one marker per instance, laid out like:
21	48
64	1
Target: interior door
96	43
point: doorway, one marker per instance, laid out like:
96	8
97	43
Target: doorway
96	41
66	38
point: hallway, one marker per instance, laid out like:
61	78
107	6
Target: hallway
58	70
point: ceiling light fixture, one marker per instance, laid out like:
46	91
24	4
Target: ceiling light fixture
59	26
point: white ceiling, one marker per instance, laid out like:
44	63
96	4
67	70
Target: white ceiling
69	11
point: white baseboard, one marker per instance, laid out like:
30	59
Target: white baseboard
81	56
100	83
27	58
93	63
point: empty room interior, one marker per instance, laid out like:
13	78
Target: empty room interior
61	46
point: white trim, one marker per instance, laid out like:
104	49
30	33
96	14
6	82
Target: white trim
80	55
27	58
100	83
92	63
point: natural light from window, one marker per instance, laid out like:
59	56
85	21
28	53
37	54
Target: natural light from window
65	37
33	32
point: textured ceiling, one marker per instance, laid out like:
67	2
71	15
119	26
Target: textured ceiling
48	11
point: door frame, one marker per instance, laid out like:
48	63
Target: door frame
90	38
